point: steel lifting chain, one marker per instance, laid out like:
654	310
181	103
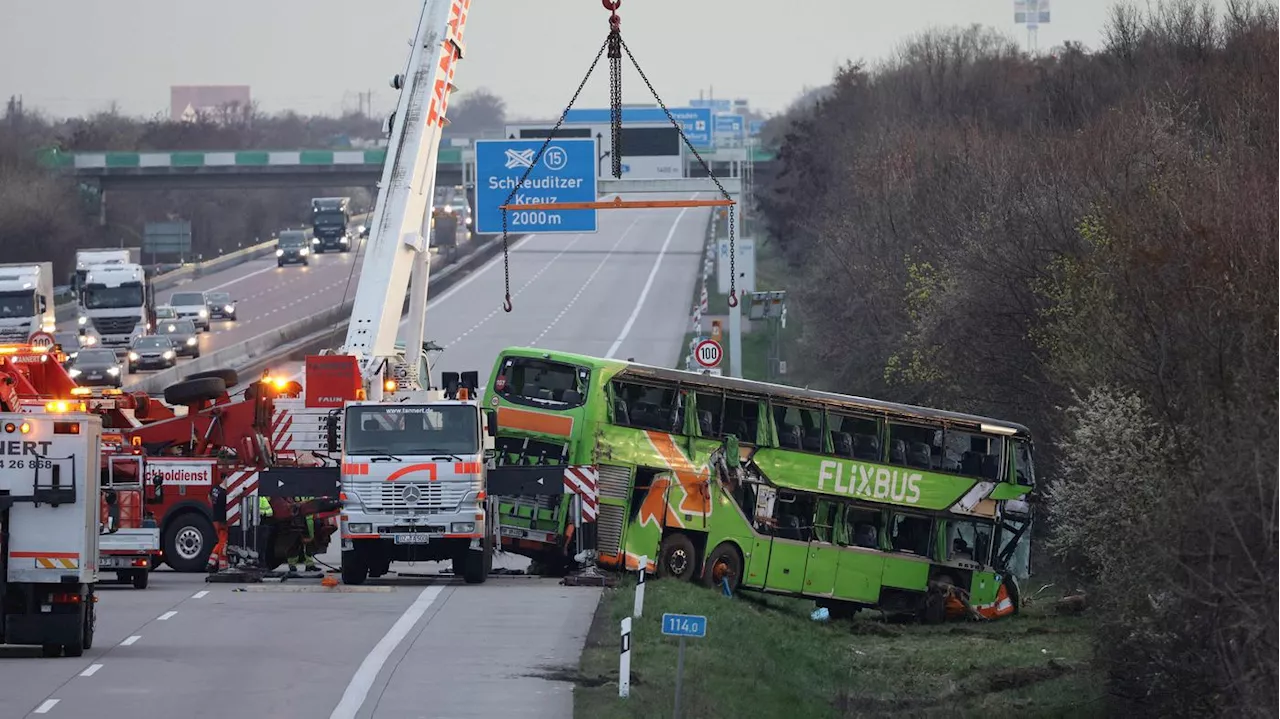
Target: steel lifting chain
506	261
733	275
615	85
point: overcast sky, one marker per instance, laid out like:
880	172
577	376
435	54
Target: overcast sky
69	57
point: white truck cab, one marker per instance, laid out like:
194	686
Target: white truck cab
49	525
413	477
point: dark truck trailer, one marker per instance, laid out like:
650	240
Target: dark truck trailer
331	224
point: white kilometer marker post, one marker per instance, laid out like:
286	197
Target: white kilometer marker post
624	660
639	608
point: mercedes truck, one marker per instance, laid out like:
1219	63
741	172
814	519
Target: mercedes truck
331	224
115	305
26	301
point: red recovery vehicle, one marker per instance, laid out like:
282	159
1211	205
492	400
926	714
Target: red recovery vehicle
172	460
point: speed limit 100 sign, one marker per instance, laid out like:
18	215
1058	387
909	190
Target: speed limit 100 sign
708	353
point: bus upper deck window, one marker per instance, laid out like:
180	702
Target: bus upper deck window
1024	468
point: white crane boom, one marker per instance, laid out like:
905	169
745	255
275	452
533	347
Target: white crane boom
397	246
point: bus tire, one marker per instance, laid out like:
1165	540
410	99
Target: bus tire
724	562
677	557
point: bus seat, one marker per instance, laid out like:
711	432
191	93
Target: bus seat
571	396
790	528
789	436
898	451
812	441
864	535
920	455
843	443
868	447
620	414
706	424
545	393
971	463
991	466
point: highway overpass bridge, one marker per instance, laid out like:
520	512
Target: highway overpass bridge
234	169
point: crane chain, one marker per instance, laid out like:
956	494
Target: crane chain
733	276
615	94
506	261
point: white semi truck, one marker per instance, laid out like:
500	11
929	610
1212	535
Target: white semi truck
49	524
26	301
90	256
115	305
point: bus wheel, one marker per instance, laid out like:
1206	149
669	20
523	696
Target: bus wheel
677	557
724	563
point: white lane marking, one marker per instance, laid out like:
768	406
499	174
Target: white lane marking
165	616
648	284
518	292
583	288
130	640
200	594
46	706
239	279
358	689
93	669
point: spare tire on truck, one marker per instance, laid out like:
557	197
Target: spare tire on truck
227	375
192	391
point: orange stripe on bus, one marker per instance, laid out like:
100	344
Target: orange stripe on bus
541	422
428	467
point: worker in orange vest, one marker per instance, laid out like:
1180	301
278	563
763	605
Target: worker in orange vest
218	502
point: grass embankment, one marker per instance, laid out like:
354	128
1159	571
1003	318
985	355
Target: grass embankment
764	657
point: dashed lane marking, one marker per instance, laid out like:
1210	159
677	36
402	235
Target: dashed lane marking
130	640
46	706
165	616
93	669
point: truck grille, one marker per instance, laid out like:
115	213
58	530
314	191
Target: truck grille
391	496
115	325
15	333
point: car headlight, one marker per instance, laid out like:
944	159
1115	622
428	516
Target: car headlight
203	313
90	340
315	240
303	251
171	328
113	371
168	354
468	222
279	253
191	341
133	356
360	528
345	241
229	309
462	527
74	372
82	320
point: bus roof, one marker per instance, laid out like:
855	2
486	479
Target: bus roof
754	387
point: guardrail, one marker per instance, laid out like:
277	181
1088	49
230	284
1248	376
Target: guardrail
306	335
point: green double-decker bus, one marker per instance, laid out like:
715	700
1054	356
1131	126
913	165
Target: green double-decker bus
853	502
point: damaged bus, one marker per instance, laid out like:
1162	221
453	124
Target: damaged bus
849	501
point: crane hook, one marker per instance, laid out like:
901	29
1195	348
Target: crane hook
506	304
611	5
733	298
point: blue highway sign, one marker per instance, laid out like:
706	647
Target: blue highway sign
754	128
730	125
566	172
684	625
694	121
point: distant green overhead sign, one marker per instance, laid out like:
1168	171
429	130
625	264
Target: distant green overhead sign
167	238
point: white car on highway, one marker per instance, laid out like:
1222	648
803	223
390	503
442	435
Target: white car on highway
193	306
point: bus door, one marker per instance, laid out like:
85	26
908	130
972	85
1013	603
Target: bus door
790	527
861	563
824	556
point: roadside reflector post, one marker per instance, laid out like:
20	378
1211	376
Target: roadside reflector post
639	607
624	660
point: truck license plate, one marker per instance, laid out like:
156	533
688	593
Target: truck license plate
514	532
416	538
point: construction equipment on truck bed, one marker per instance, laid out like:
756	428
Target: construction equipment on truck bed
49	530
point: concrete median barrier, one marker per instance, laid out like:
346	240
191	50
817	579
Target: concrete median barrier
326	328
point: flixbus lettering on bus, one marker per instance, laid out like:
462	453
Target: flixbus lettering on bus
866	480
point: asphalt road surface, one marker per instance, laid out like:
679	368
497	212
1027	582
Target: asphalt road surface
410	646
